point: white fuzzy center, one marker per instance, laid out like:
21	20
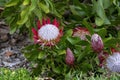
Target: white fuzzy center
113	62
95	38
48	32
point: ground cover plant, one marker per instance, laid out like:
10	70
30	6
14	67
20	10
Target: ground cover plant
70	36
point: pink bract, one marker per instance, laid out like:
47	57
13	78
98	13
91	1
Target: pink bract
81	32
102	57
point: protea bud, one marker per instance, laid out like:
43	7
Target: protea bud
97	43
69	57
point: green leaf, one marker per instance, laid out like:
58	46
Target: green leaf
112	42
28	24
38	13
61	52
102	32
76	10
101	15
99	21
12	3
68	76
52	8
88	26
32	55
106	3
24	16
56	70
100	10
32	6
41	55
3	2
57	13
44	7
83	43
26	2
80	55
72	8
68	33
119	34
13	28
73	40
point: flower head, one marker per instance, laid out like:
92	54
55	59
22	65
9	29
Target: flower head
97	43
113	62
69	57
47	33
81	32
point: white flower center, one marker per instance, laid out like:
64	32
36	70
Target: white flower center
48	32
113	62
96	37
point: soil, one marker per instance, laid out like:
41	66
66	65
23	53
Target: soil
10	48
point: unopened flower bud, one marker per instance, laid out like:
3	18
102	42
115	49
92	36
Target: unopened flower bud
97	43
69	57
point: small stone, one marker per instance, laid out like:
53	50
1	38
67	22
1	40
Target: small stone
13	41
4	38
8	53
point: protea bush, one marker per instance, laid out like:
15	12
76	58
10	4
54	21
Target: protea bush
63	35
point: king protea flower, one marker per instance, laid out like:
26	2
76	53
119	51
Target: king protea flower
81	32
47	33
97	43
69	57
113	62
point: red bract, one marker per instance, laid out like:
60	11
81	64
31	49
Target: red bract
102	57
97	43
69	57
113	50
47	33
81	32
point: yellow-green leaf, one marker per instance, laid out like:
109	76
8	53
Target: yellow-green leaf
12	3
26	2
24	16
44	7
99	21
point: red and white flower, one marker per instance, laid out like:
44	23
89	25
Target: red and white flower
113	62
81	32
47	33
97	43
